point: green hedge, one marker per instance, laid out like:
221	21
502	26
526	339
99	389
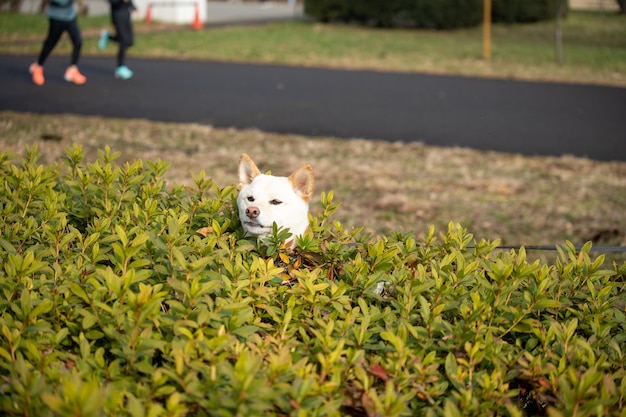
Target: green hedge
441	14
121	296
523	11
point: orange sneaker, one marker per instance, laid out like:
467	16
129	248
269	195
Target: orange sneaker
37	71
72	75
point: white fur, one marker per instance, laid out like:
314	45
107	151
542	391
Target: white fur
267	199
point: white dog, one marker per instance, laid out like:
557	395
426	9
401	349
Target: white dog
265	199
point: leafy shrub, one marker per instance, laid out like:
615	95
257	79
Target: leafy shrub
326	10
442	14
121	296
523	11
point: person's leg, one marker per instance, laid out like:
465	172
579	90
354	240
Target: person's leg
77	41
55	30
124	37
116	17
72	74
121	55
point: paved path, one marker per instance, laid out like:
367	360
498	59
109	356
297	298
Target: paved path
520	117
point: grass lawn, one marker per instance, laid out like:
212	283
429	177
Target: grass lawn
594	46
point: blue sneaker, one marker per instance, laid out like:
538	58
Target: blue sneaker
123	73
104	39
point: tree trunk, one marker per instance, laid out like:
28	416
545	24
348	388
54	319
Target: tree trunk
622	6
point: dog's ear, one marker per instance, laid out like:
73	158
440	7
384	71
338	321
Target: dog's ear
302	182
247	170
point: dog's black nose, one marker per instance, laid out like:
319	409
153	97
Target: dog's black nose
252	212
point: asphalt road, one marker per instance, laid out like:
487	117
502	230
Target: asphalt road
519	117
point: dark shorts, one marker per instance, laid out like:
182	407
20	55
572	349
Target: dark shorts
123	26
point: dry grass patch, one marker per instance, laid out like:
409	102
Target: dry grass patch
382	186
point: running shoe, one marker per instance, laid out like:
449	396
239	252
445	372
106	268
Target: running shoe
123	73
104	39
72	75
37	71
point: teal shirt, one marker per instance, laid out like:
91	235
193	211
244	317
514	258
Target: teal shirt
61	10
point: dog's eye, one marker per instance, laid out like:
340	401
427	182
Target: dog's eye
275	202
250	199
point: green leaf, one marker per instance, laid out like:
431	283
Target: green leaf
452	371
85	347
8	247
61	335
144	367
78	291
88	320
25	303
91	239
135	407
544	303
121	233
246	331
6	355
395	341
572	325
44	307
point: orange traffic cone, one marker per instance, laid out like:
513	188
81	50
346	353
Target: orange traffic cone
148	17
197	24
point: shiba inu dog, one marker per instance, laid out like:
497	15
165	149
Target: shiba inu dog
266	199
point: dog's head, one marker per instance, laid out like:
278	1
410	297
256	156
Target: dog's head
265	199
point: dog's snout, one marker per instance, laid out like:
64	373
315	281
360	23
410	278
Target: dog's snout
253	212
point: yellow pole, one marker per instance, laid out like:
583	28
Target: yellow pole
487	30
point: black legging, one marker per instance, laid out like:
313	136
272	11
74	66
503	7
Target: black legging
124	32
121	52
56	29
